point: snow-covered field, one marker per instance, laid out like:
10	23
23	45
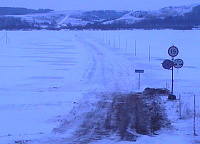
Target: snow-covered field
44	74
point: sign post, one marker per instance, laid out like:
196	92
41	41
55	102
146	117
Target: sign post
171	64
139	72
173	52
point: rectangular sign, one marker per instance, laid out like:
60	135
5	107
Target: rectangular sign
139	71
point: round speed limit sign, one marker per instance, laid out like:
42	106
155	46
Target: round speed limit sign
173	51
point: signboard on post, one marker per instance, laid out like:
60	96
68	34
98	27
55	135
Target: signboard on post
139	72
173	51
178	63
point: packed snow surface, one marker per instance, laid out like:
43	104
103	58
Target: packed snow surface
44	74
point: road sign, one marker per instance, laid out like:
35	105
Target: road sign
167	64
178	63
139	71
173	51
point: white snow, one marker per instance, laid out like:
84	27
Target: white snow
45	73
126	18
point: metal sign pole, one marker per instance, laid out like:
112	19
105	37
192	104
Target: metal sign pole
172	77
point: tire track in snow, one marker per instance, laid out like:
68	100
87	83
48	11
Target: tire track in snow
107	71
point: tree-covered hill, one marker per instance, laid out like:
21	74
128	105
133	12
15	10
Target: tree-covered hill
21	11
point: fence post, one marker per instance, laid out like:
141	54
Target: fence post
180	110
194	123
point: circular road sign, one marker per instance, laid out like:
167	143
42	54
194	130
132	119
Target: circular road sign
167	64
178	63
173	51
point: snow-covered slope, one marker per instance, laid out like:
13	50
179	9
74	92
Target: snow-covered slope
135	16
81	18
172	11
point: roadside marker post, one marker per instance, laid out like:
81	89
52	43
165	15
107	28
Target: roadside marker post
126	45
119	41
194	121
139	72
7	40
135	47
149	53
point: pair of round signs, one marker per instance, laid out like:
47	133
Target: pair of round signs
177	63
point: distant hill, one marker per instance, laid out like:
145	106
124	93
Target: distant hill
21	11
181	17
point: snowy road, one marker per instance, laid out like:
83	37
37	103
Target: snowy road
107	71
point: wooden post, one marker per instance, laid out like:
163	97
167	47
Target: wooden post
135	47
194	123
149	53
119	41
126	45
6	37
106	39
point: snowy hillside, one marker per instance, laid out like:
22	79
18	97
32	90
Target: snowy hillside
172	11
82	18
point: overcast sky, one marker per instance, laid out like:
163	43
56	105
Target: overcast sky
95	4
